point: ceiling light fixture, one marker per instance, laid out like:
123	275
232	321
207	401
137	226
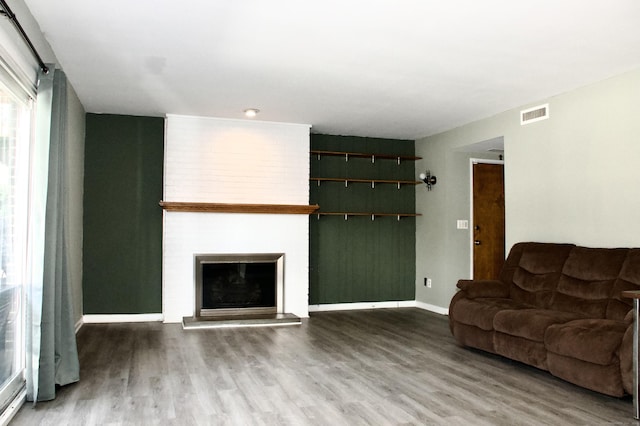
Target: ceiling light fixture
251	112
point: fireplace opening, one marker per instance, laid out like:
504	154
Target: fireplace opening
238	284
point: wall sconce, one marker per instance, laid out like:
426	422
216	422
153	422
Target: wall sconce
428	179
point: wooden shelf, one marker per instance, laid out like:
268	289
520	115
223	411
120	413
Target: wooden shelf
370	181
373	156
371	214
176	206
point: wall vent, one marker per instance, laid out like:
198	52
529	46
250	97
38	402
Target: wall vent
540	112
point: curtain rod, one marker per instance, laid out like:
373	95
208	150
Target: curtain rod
6	11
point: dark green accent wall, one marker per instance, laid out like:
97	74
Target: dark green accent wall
122	250
360	260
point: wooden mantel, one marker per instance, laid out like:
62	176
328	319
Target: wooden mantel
177	206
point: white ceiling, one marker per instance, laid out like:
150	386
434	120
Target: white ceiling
383	68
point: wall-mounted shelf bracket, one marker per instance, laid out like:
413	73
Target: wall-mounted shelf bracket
398	158
373	182
373	215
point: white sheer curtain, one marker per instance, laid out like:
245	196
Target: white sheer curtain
36	227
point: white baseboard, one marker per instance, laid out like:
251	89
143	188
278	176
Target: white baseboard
79	325
115	318
378	305
361	305
432	308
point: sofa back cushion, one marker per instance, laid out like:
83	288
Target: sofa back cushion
629	279
587	281
532	270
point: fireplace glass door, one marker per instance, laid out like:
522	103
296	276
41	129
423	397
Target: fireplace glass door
238	284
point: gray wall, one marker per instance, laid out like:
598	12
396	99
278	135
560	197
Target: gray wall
75	150
442	250
575	177
571	178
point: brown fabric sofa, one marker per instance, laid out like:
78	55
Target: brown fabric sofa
557	307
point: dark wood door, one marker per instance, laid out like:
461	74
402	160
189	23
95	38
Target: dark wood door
488	220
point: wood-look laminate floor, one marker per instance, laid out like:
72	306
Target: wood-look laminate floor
380	367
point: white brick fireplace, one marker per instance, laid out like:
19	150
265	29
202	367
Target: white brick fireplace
235	164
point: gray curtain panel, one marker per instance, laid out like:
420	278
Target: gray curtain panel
56	349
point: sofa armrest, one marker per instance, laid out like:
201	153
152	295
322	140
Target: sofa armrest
483	288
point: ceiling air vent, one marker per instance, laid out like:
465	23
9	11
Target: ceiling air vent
540	112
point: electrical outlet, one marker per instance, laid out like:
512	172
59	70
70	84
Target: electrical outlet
428	282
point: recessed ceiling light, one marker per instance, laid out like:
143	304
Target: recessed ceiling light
251	112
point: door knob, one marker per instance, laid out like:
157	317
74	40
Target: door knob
476	242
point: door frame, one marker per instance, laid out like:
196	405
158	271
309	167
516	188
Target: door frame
473	161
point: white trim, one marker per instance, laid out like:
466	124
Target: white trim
473	161
432	308
361	305
79	325
23	69
115	318
13	408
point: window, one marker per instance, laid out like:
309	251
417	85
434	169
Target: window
15	131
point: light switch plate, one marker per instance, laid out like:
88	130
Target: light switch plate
463	224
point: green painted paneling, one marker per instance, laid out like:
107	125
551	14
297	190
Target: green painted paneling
122	253
360	260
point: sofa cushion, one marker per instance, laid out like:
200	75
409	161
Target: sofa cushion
533	269
520	349
587	280
469	335
480	312
592	340
600	378
529	324
538	255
